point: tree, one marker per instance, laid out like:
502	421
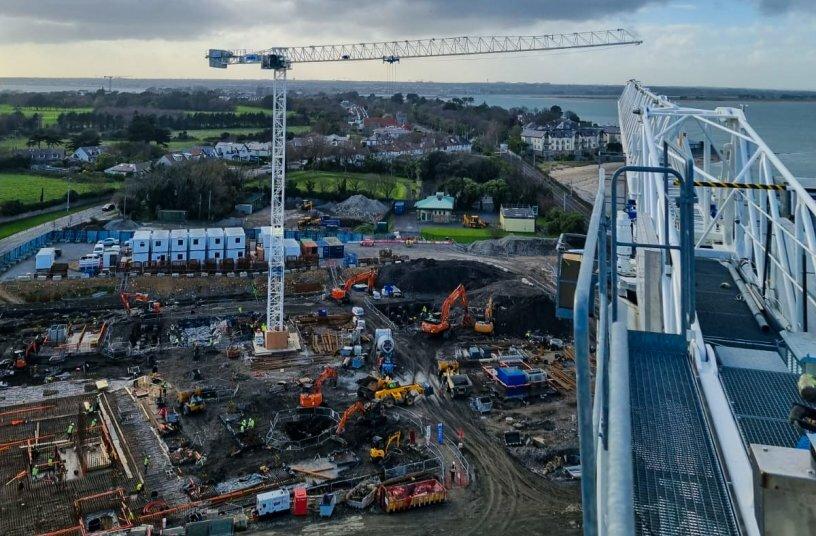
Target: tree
396	98
388	185
143	128
499	190
572	116
556	110
86	138
310	186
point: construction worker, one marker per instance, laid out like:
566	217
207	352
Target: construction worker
146	462
35	471
243	425
251	423
139	487
71	429
93	422
196	352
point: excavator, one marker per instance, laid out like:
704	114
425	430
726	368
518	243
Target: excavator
340	294
129	298
378	453
314	397
485	325
473	222
357	407
439	323
22	357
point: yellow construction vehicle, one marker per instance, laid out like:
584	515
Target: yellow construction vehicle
444	366
485	325
473	222
191	402
402	394
378	452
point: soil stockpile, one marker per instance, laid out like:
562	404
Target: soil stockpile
513	245
519	308
359	207
431	276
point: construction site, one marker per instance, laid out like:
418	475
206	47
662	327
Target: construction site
156	404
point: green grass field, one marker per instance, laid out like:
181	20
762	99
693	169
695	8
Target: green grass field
464	235
364	183
27	188
49	115
13	227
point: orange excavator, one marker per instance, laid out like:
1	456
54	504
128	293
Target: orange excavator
129	298
314	397
357	407
22	357
439	323
340	294
485	325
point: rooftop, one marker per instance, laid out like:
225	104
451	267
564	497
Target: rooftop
439	201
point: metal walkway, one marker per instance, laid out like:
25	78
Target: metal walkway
761	401
678	482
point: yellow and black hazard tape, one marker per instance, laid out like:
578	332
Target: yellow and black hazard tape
740	185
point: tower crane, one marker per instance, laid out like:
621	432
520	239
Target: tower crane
280	59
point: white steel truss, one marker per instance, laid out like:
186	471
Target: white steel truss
766	225
427	48
274	301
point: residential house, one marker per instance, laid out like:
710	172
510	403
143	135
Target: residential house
88	154
171	159
39	156
128	170
232	151
518	219
436	208
258	150
455	144
534	137
379	122
611	134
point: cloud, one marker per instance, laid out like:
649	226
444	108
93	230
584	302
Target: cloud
775	7
61	21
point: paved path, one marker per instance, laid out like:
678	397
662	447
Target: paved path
11	242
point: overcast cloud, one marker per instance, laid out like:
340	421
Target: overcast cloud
55	21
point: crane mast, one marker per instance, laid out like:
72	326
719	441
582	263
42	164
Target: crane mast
280	60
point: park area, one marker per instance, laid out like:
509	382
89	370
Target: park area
48	114
369	184
28	189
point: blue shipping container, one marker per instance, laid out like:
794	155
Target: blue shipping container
511	376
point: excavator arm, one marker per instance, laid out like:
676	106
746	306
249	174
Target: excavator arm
314	398
458	296
357	407
340	294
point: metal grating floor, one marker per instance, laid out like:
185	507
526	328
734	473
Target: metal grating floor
678	482
761	401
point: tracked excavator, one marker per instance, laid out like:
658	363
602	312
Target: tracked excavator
439	323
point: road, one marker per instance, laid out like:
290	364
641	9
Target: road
11	242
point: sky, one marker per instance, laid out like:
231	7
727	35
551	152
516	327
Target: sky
723	43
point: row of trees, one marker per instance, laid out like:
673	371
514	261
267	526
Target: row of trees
206	189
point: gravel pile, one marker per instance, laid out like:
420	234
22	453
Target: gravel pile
513	245
121	225
359	207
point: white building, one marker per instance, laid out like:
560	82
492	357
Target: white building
88	154
179	244
141	246
160	245
259	149
215	244
235	243
534	137
197	245
232	151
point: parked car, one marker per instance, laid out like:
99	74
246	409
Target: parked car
108	207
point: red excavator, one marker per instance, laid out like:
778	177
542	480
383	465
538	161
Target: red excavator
357	407
314	397
340	294
439	323
129	298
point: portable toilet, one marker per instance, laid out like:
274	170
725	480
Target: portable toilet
110	257
178	244
235	242
215	244
160	245
300	507
141	246
197	245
